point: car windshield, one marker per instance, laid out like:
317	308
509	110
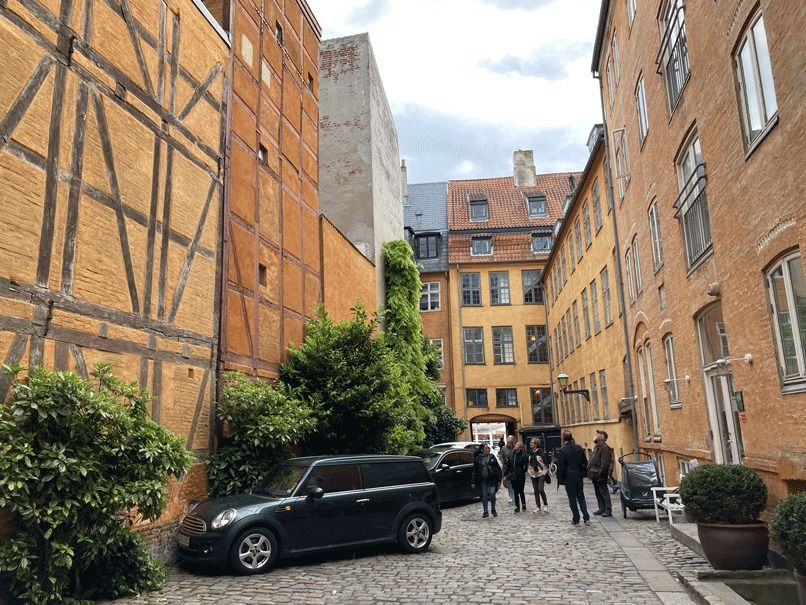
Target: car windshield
429	457
281	481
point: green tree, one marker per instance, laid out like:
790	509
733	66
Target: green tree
75	458
263	421
404	334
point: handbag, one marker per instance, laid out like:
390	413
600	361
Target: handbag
506	482
548	478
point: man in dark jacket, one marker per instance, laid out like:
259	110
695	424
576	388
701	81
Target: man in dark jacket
571	466
599	468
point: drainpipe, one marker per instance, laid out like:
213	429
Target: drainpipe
628	378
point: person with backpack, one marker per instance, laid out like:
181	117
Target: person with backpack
599	469
538	471
571	469
515	471
487	476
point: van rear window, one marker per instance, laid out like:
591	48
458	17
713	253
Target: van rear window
385	474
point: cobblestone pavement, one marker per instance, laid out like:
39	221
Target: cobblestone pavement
535	558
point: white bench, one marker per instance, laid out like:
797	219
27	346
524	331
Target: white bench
668	499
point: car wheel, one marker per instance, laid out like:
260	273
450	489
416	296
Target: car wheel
415	533
254	551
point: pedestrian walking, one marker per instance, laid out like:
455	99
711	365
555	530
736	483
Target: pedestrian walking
571	466
538	469
515	471
503	457
600	467
487	476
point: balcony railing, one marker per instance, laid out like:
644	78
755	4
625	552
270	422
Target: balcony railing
692	207
672	57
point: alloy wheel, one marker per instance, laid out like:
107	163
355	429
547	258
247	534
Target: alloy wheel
417	532
254	551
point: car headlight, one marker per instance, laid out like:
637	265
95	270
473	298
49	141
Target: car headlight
223	518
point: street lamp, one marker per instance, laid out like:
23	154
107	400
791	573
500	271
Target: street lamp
562	378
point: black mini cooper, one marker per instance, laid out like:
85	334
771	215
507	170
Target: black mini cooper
315	504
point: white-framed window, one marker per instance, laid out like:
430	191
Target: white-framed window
437	342
479	210
481	246
585	317
611	89
616	66
640	106
672	386
536	344
474	345
499	287
570	248
647	413
636	260
630	12
563	267
571	342
578	235
655	235
628	269
787	290
603	390
575	314
471	289
597	205
594	396
597	326
586	223
692	202
429	296
622	164
537	206
604	277
673	52
582	401
541	242
532	288
756	86
503	346
661	459
651	420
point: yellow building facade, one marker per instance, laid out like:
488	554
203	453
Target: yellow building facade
584	314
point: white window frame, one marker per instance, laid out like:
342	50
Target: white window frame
650	370
604	277
586	224
673	60
756	90
791	316
474	343
501	290
622	164
575	315
636	260
585	316
611	89
597	205
628	267
535	238
437	342
540	211
603	391
672	385
474	240
503	345
479	204
655	235
578	235
692	202
630	12
597	326
594	396
640	104
428	290
470	283
616	65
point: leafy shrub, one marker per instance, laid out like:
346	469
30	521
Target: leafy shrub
263	420
724	493
75	456
788	529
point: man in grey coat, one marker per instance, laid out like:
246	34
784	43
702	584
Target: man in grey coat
504	457
599	468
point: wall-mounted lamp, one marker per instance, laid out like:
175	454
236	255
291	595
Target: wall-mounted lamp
726	360
685	378
562	378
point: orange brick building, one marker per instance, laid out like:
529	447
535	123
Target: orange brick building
704	116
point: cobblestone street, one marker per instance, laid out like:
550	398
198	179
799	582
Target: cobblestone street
535	558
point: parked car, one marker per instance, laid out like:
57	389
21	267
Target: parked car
452	471
315	504
468	445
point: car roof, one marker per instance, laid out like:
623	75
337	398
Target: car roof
347	458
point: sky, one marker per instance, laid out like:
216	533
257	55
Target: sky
471	81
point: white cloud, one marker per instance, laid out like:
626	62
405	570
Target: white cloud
465	167
451	57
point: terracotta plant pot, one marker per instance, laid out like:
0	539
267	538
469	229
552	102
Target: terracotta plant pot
734	547
801	587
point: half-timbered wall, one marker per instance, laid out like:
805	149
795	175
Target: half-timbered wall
271	265
112	118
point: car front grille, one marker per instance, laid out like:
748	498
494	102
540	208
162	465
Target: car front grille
194	525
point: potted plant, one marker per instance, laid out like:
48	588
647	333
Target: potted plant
726	501
788	531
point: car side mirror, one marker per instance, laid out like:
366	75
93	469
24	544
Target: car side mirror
444	467
315	494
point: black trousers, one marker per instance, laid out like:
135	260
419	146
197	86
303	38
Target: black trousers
576	499
519	495
603	496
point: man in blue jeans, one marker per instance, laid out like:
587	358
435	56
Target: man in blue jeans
487	475
571	469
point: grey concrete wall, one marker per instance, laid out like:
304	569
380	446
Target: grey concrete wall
359	162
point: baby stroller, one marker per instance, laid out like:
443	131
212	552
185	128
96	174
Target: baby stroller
638	477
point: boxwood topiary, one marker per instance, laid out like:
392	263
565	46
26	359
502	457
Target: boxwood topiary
724	493
788	529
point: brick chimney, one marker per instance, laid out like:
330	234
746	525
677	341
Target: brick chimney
523	168
404	182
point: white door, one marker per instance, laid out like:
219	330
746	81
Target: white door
728	446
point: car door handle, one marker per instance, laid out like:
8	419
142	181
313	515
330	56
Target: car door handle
362	500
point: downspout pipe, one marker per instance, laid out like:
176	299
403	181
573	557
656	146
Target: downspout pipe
628	371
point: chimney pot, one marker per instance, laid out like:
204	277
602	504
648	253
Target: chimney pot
523	168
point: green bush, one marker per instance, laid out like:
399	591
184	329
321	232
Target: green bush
724	493
74	456
788	529
263	421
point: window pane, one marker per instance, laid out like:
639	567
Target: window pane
532	290
799	295
764	68
752	91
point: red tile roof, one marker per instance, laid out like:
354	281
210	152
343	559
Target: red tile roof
507	247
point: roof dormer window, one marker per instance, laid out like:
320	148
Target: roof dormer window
537	206
481	246
479	210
